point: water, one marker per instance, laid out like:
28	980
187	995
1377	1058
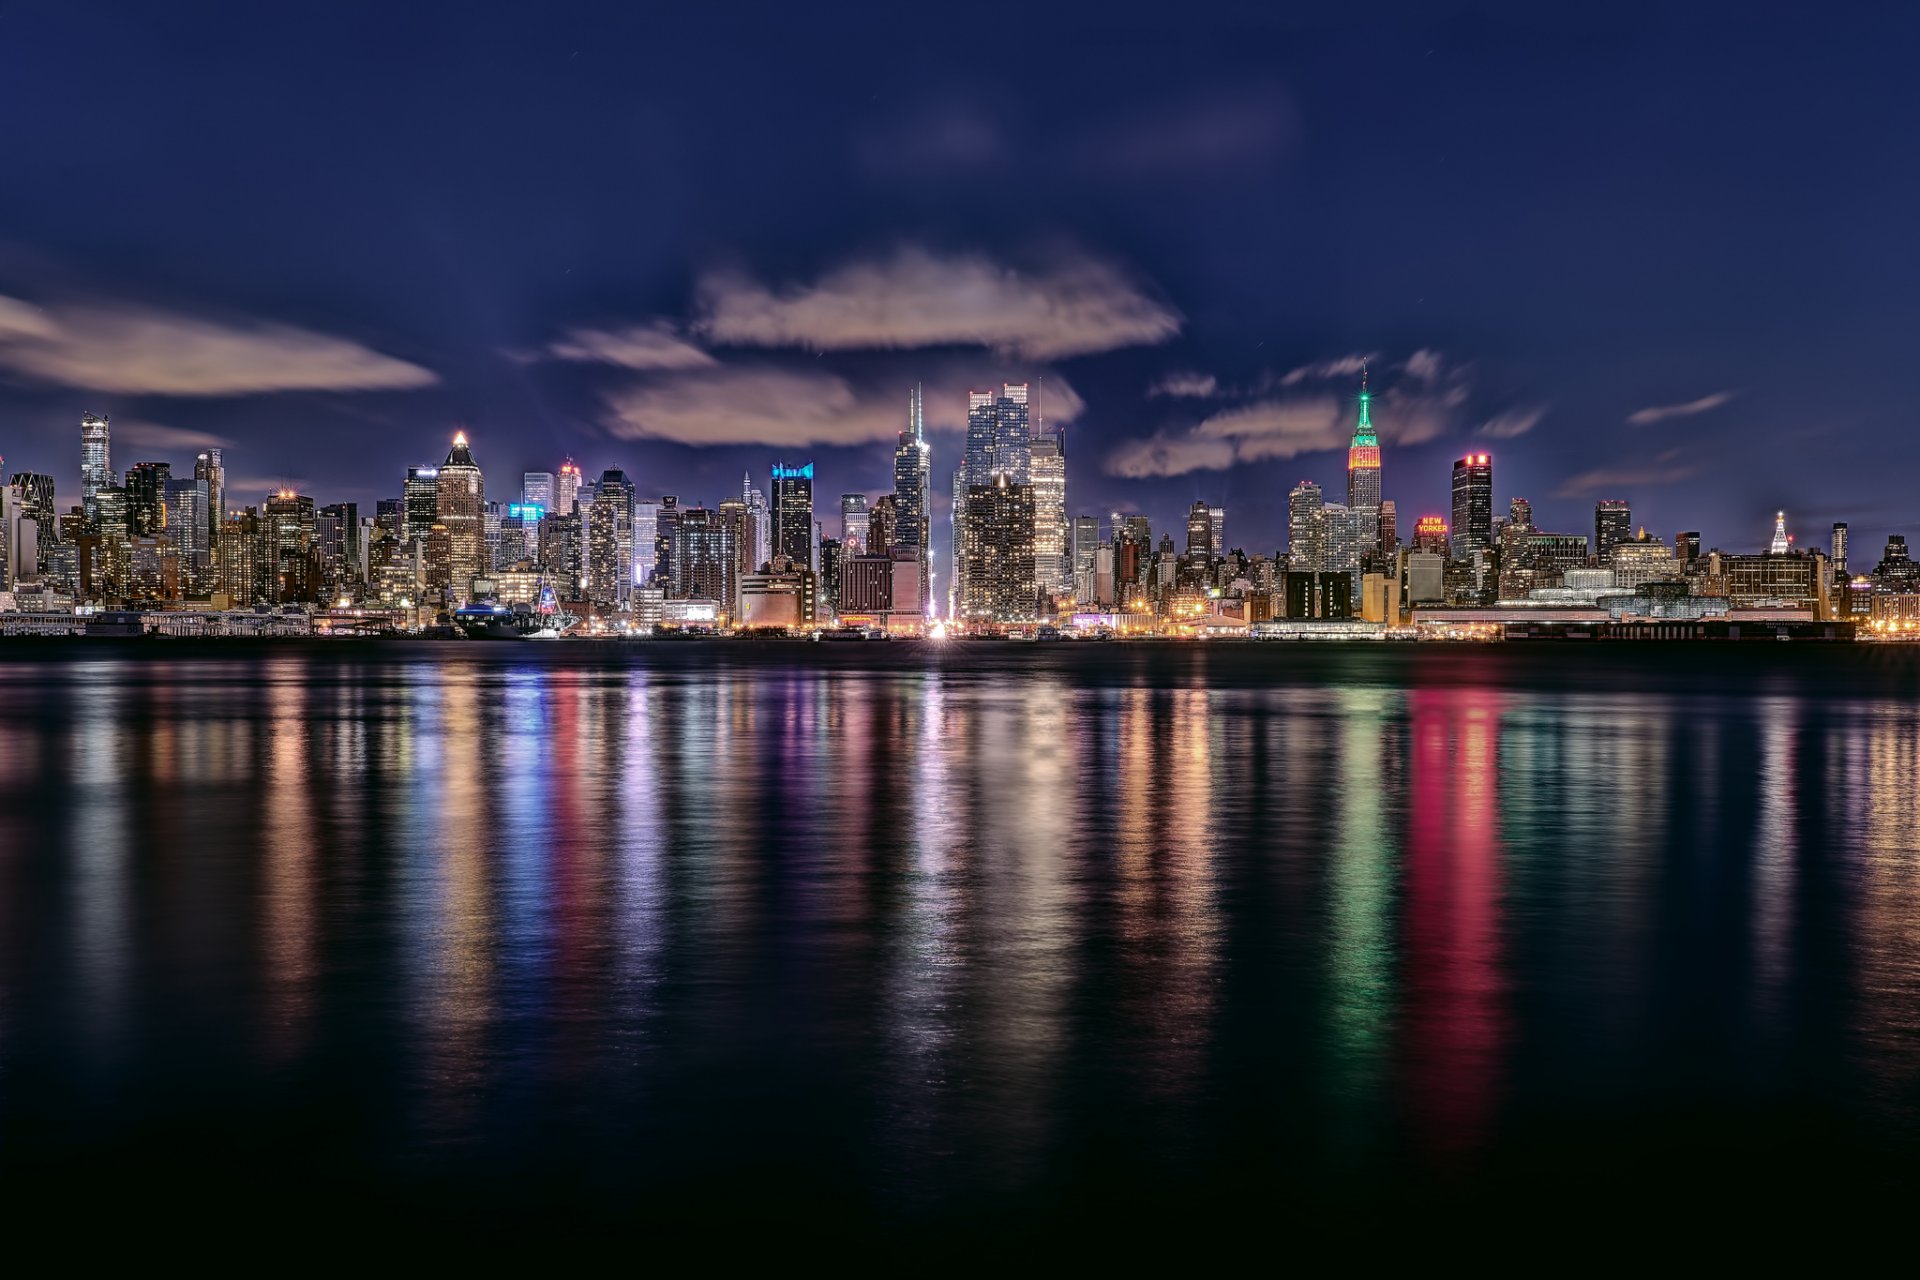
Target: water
989	941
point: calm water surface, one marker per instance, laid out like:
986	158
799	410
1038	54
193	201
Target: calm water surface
988	939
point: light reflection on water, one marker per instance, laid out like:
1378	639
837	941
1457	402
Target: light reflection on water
916	931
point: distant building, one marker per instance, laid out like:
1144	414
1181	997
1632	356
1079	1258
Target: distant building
1472	505
1612	525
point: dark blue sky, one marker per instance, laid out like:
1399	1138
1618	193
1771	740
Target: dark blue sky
1631	252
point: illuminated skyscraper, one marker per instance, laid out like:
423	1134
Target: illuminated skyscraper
793	513
1472	505
853	523
1000	585
1012	434
96	459
1839	552
1781	543
1048	469
292	567
209	467
609	542
1306	530
1086	548
566	487
913	497
1218	522
536	489
1389	527
1363	471
883	526
146	488
460	500
1612	525
1200	532
422	496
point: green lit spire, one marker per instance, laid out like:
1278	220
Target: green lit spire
1363	429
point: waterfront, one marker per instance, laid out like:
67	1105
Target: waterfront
973	939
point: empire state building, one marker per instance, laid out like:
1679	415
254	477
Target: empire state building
1363	469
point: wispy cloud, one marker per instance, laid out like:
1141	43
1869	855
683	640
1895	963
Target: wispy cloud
1424	404
1321	371
153	435
1664	468
138	350
1514	422
1072	304
640	346
794	408
1662	412
1186	385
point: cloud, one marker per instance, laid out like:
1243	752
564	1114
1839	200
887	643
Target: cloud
1514	422
136	350
1231	133
1186	385
1661	412
1425	365
1325	370
1071	305
153	435
640	346
1423	406
1162	455
1665	468
796	408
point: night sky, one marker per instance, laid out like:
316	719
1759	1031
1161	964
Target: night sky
1631	253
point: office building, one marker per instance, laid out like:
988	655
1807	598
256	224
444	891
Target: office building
566	488
536	489
883	526
793	512
1686	546
96	460
1200	533
1048	469
854	520
1472	505
912	525
1306	529
998	571
1612	525
422	496
460	500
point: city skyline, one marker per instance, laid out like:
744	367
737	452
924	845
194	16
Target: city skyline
1651	345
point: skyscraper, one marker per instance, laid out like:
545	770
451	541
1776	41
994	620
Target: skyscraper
1612	525
460	499
1686	546
756	501
912	496
1012	434
422	496
609	542
793	513
1200	532
1000	585
883	526
536	489
1472	505
209	467
1839	550
853	522
1389	527
1363	471
1781	543
1218	515
96	460
147	498
1048	472
1306	532
566	487
1086	548
976	464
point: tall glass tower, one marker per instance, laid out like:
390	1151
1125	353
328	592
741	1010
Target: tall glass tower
96	460
912	491
1472	505
793	513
